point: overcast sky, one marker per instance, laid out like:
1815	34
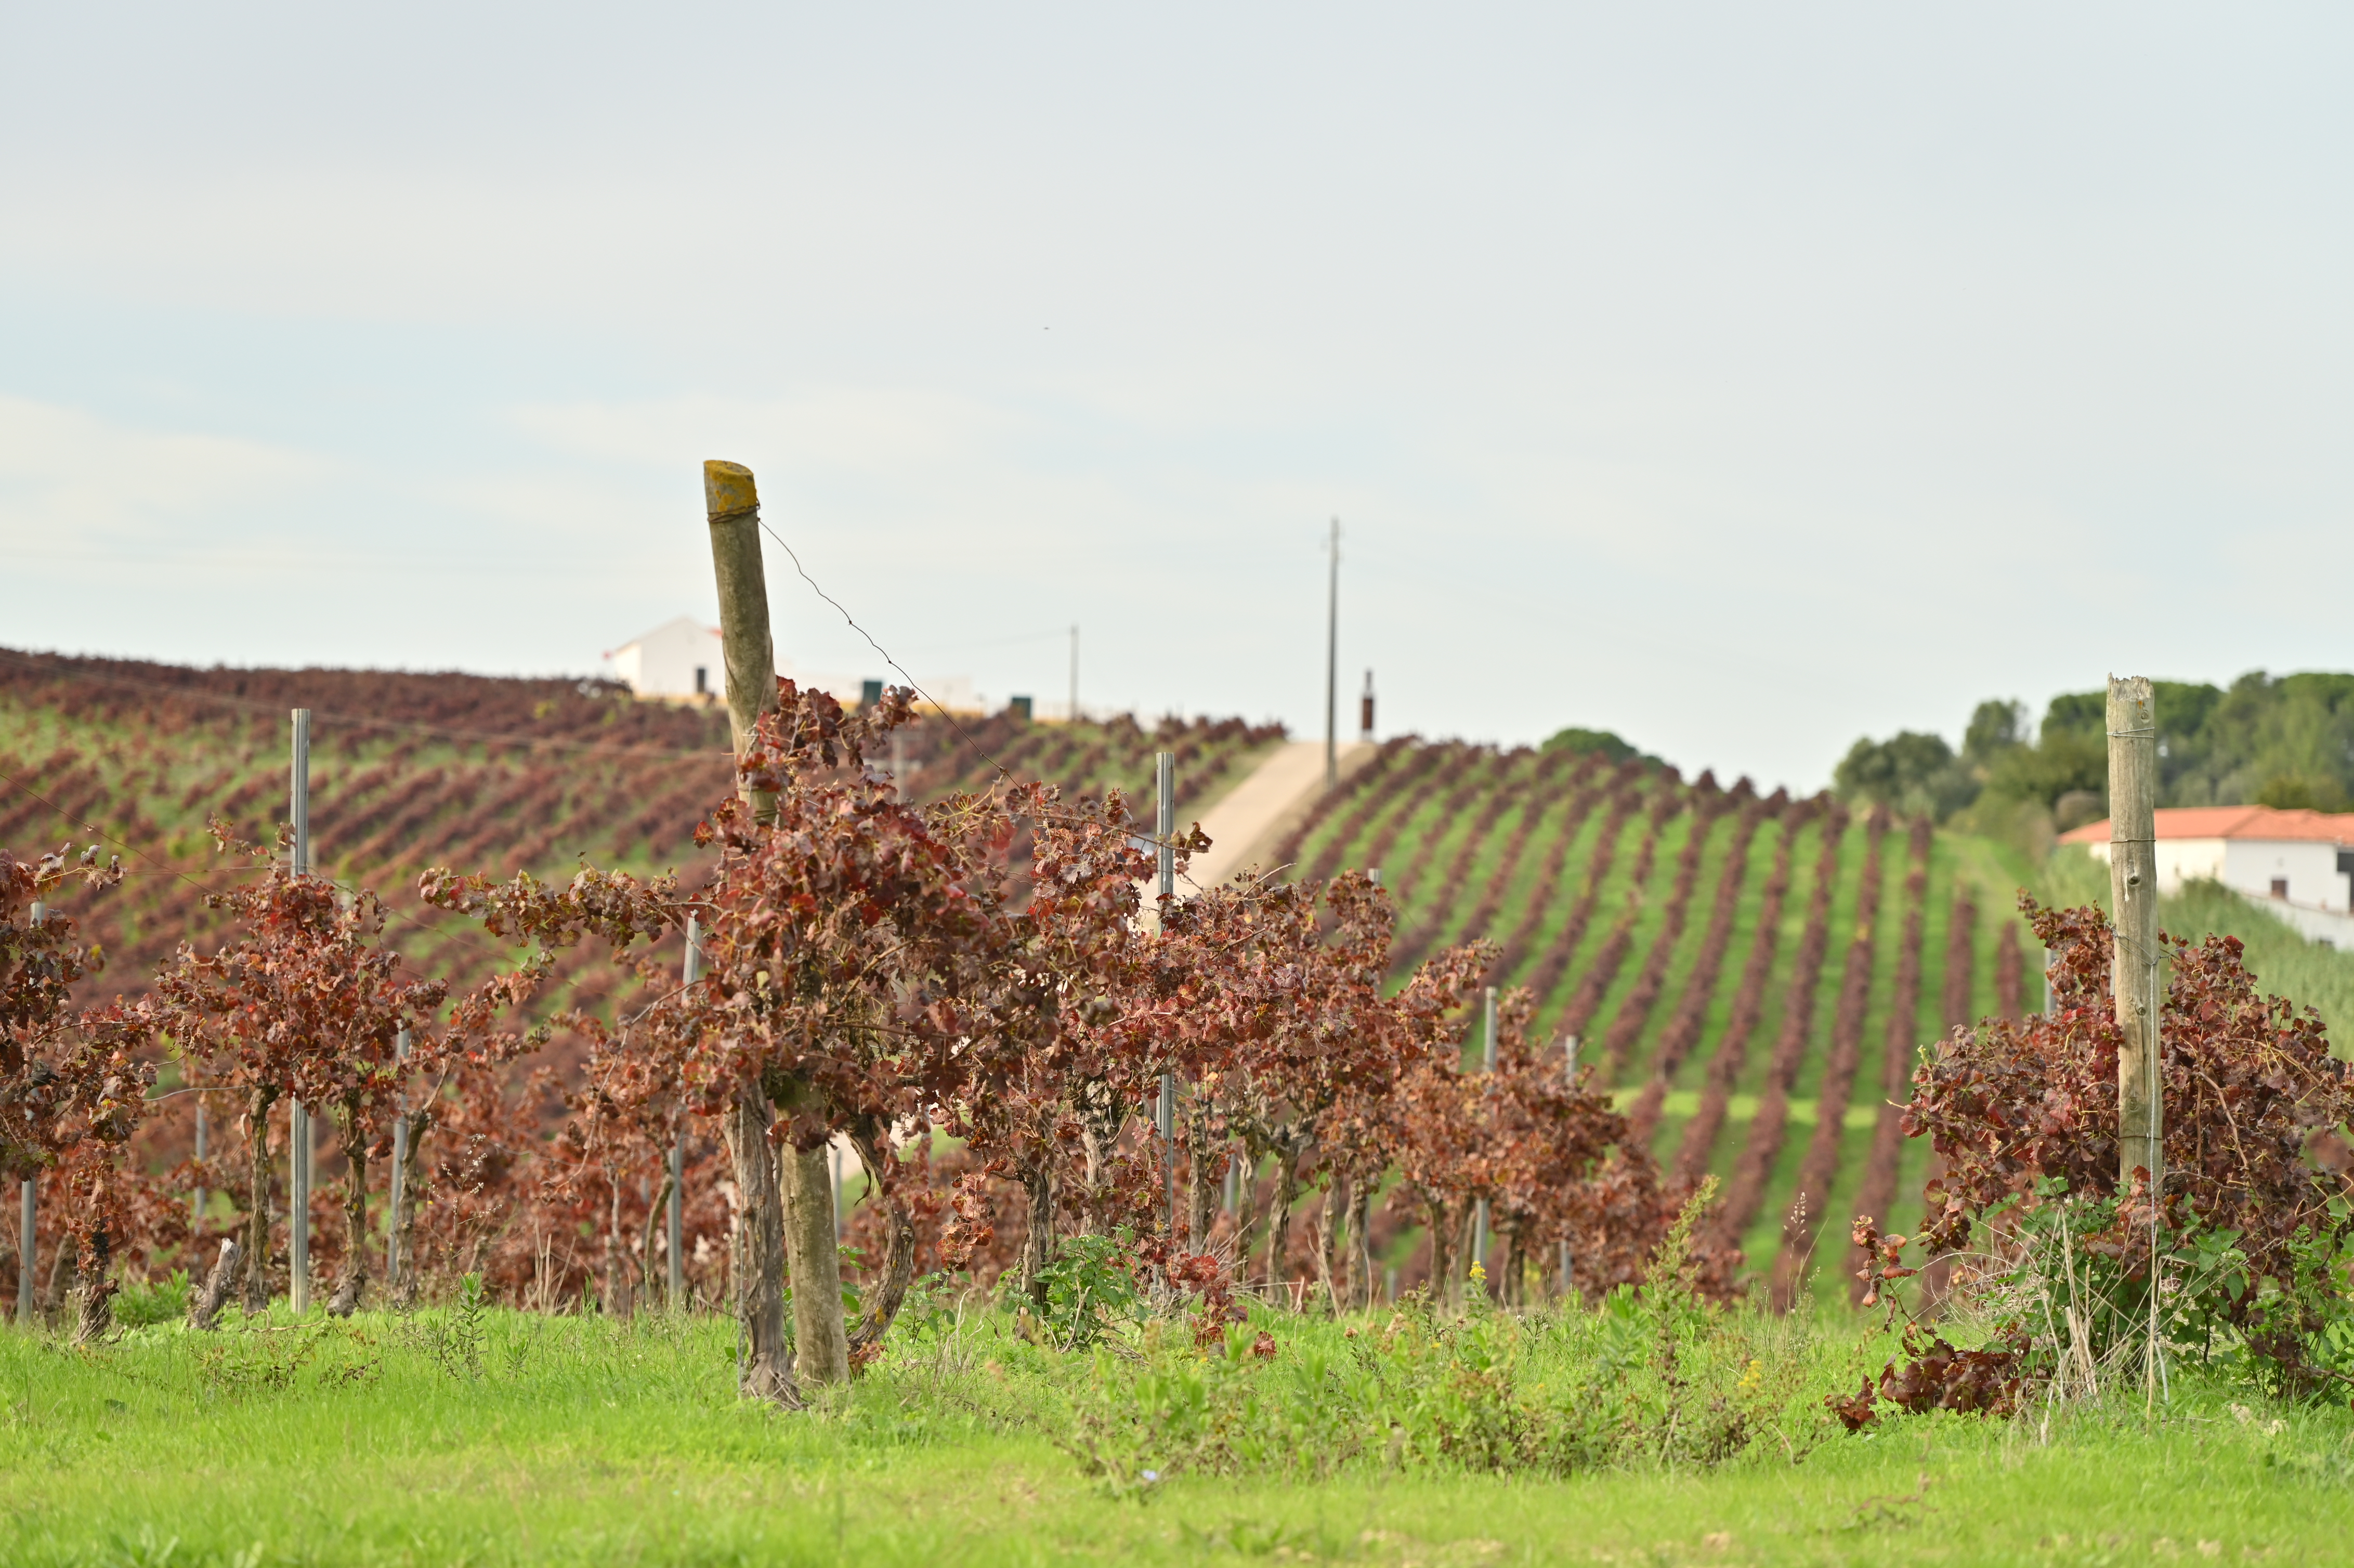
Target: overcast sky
1742	378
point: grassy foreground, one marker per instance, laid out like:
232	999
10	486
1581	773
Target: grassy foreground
532	1439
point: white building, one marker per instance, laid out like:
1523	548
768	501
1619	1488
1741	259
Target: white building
682	658
2299	864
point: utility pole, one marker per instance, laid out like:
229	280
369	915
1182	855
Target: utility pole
1569	1078
24	1201
674	1223
2136	963
1075	675
1487	1064
1164	778
298	1116
1333	665
400	1173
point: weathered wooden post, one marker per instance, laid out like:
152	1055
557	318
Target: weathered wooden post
2136	966
801	1237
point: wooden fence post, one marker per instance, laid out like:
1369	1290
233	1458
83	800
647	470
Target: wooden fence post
2136	966
801	1237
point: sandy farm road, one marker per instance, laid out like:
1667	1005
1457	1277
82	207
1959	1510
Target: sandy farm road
1248	822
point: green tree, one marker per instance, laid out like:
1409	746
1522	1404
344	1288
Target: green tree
1909	772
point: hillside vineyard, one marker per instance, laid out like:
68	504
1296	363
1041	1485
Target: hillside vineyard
1754	974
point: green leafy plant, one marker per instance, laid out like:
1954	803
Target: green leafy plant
1087	1288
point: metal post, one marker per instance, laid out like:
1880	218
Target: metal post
675	1228
1569	1076
1075	675
399	1185
298	792
298	1143
1332	666
196	1198
1487	1064
25	1239
1164	784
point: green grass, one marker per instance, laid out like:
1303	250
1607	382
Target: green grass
583	1441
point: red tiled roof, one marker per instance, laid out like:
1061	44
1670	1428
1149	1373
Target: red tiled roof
2233	823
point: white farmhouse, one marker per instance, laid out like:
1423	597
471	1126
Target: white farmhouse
677	659
682	658
2301	863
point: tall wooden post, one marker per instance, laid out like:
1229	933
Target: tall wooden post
2136	966
788	1224
732	504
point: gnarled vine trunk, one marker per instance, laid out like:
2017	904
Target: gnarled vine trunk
813	1261
1038	1237
760	1264
97	1291
348	1290
257	1203
402	1269
1204	1175
885	1296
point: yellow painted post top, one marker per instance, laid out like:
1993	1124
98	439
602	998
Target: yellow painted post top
727	488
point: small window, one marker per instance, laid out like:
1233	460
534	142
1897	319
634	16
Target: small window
703	680
2280	887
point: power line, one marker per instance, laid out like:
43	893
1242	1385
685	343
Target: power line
1003	772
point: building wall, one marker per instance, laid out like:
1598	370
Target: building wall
662	663
2249	866
2310	870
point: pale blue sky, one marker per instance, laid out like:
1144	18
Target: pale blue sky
1741	379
